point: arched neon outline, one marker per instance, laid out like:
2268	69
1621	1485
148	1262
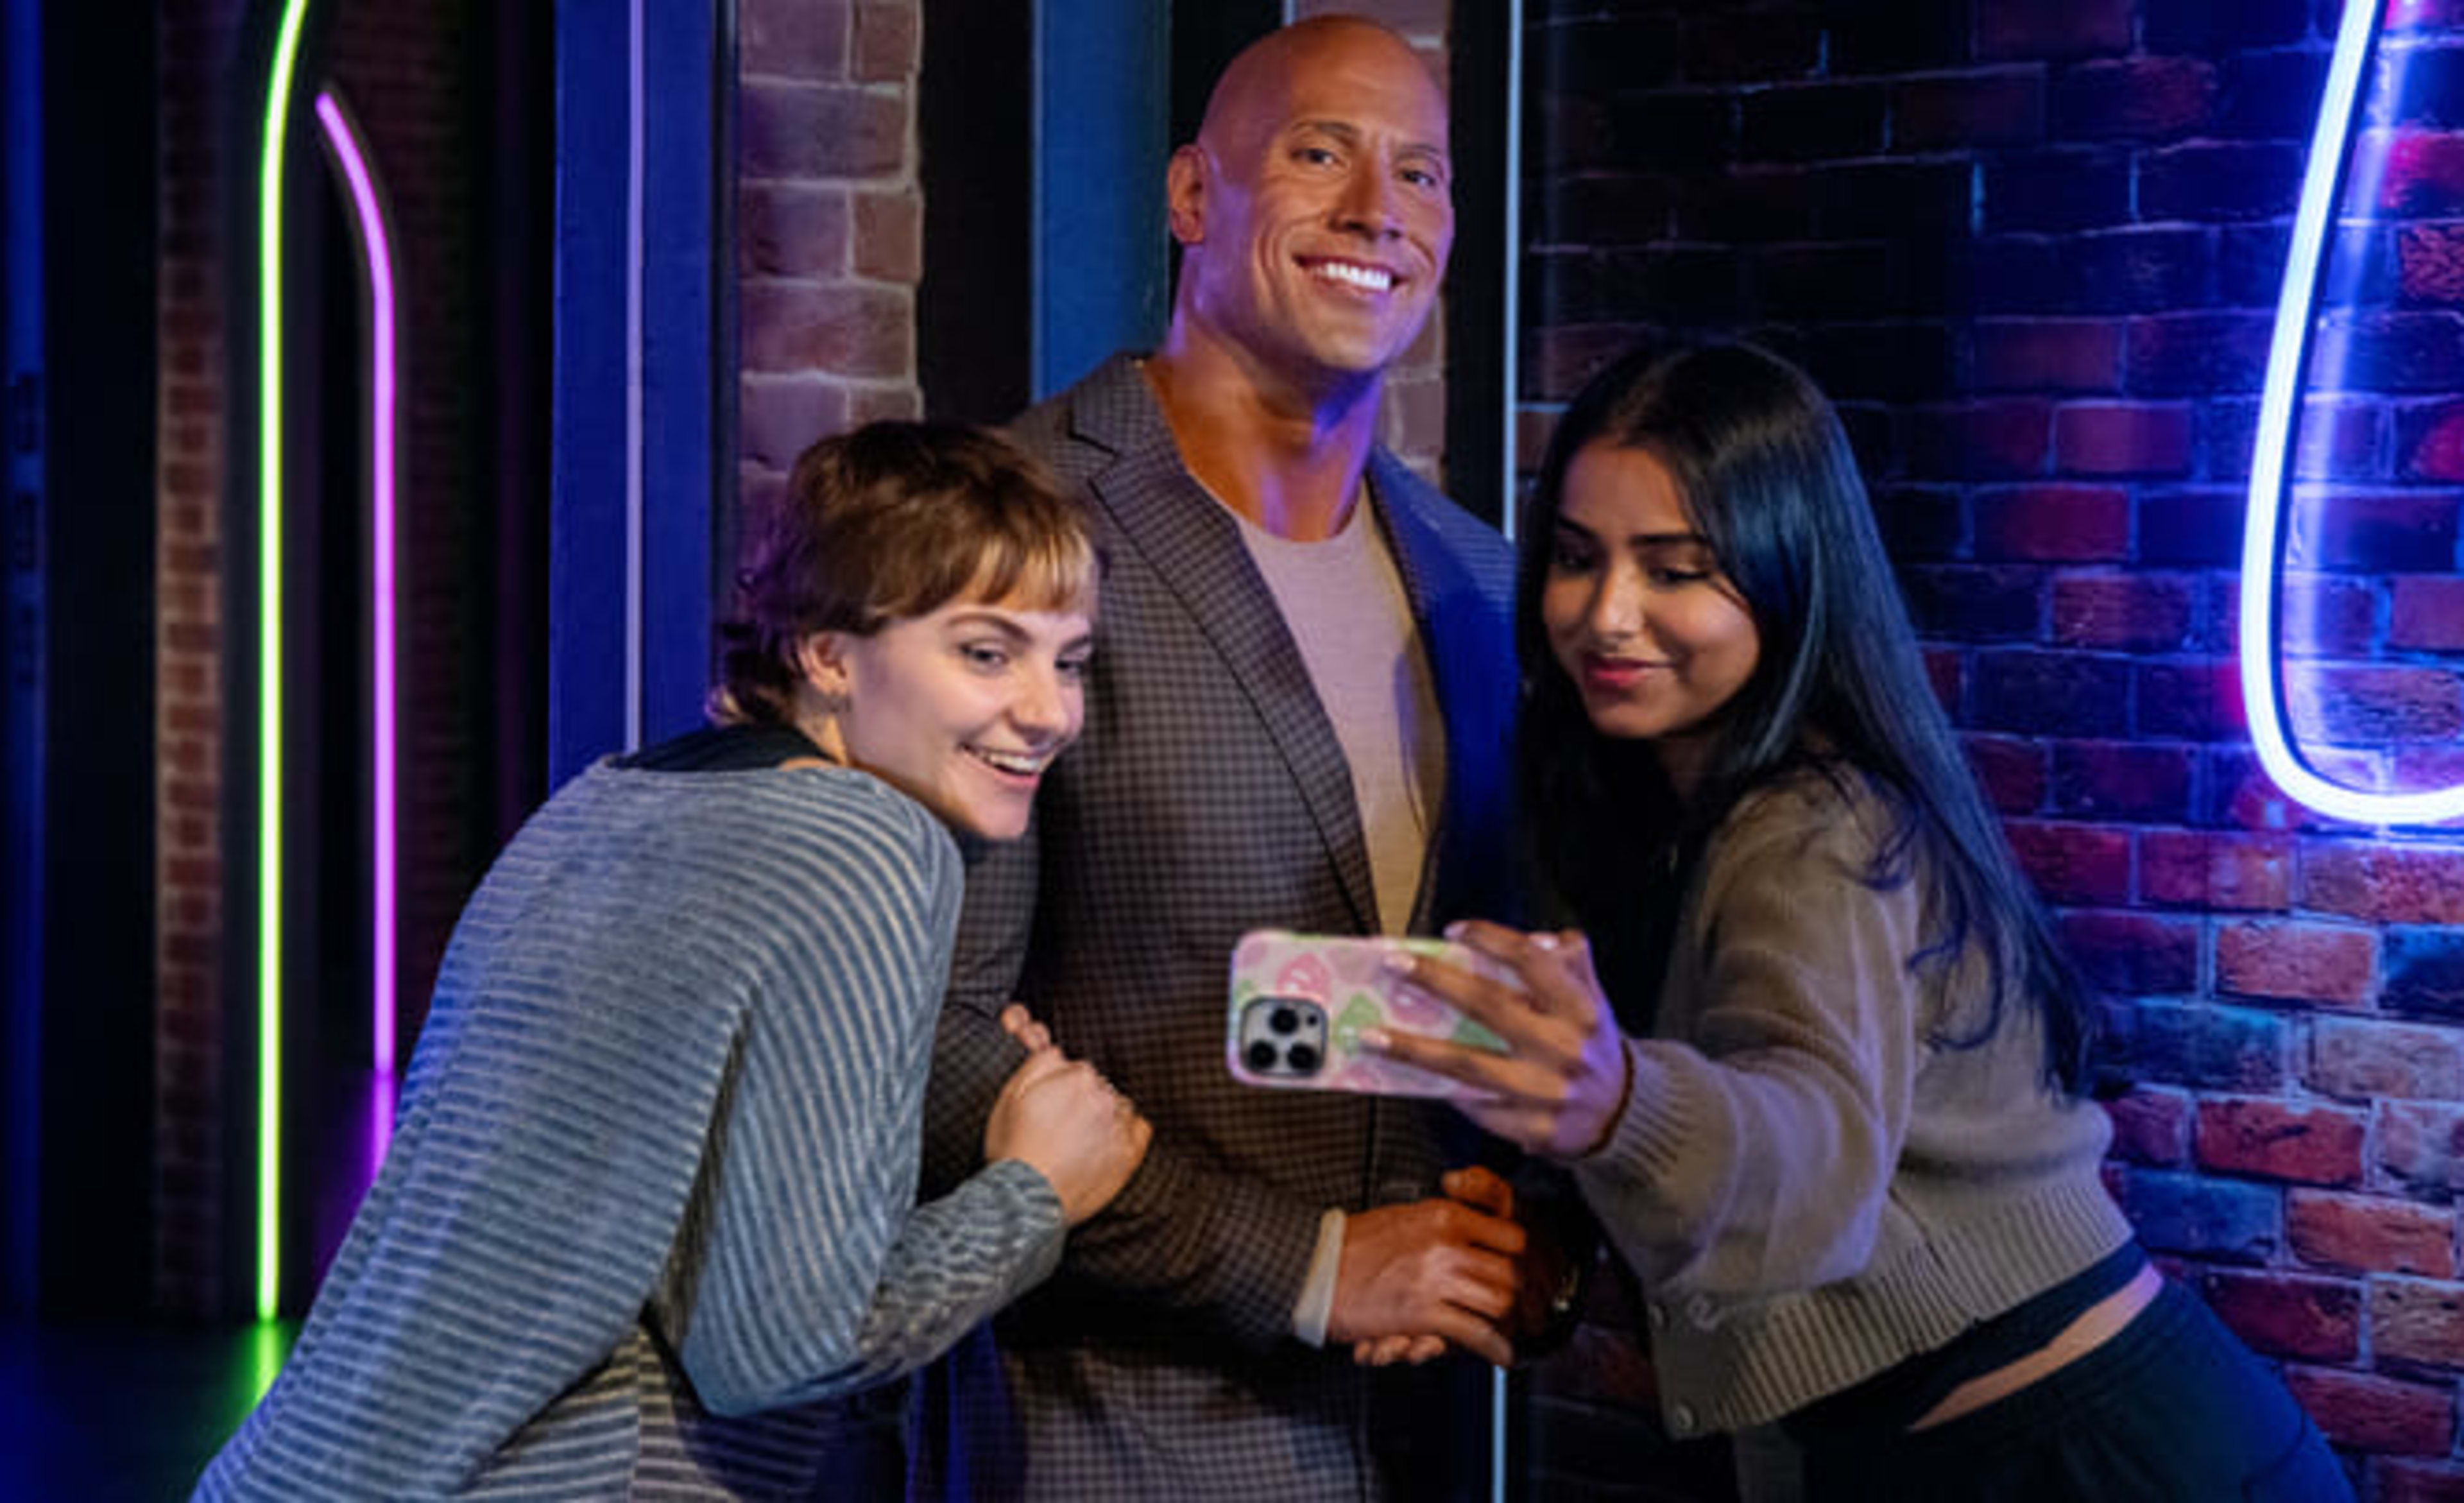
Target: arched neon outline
2263	533
376	245
281	78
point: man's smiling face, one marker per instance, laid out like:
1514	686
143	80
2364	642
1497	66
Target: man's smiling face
1316	207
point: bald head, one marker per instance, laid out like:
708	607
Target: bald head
1257	81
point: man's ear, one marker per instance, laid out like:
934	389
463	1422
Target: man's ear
821	661
1184	191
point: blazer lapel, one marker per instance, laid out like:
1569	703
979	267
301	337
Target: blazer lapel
1193	544
1471	665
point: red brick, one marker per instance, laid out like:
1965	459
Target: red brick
1983	440
2122	612
781	416
870	403
2141	99
2325	615
2151	1126
2048	355
2296	961
889	41
2013	771
889	237
2373	707
2360	1411
2036	30
2123	440
2417	1322
2361	1057
2074	863
2421	1145
835	330
2369	1233
2282	1315
1968	110
2052	524
803	39
2402	1479
2135	953
791	229
2142	783
806	130
2424	171
2280	1141
2432	444
2430	263
2222	872
2383	884
2425	613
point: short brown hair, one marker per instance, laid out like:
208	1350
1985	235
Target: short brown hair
889	521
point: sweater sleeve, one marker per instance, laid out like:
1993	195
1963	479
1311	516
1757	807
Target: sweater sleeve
1756	1150
808	1270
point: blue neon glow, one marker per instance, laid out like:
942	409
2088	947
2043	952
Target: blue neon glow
2262	556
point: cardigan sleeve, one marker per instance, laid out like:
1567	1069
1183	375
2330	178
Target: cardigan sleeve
1755	1151
811	1272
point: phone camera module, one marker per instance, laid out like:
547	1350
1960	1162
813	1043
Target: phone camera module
1283	1038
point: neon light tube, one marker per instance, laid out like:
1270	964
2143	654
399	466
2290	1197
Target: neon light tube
2263	533
367	205
269	659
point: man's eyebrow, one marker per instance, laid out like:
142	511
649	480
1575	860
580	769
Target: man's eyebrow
1349	135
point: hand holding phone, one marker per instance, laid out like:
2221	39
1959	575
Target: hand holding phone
1300	1001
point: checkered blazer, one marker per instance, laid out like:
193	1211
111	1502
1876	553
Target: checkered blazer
1209	796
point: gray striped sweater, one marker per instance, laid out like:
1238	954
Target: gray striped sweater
651	1196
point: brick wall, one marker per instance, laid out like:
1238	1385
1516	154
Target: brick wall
829	222
2032	247
195	44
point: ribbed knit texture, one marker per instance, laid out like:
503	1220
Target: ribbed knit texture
652	1187
1810	1190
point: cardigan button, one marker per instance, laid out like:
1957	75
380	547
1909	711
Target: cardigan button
1681	1419
1657	1314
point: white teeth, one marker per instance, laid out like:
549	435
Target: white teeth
1367	278
1010	761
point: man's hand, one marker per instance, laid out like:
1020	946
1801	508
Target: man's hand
1419	1278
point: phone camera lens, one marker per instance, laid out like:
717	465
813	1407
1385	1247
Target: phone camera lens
1284	1020
1301	1058
1260	1057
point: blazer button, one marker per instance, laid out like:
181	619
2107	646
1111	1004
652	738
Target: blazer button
1681	1419
1657	1314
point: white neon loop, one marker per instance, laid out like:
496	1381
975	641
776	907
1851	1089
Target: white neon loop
2262	537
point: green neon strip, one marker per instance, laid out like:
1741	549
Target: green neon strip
269	660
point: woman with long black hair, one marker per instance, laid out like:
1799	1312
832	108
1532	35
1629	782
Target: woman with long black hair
1818	1067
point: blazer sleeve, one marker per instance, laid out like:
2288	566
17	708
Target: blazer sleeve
1756	1154
1225	1248
813	1271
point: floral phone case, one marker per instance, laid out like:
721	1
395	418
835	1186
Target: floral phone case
1299	1002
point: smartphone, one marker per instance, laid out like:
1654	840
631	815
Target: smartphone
1299	1002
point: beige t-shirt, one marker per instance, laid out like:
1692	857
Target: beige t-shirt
1344	601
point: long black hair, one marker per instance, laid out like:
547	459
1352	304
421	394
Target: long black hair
1769	479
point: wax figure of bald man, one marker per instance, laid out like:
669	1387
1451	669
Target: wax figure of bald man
1298	717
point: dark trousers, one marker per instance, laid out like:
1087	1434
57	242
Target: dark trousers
2172	1410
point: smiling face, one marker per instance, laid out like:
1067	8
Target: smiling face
1654	636
961	708
1315	210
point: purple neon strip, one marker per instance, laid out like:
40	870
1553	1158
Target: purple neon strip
370	210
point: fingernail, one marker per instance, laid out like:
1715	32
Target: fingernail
1544	941
1375	1040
